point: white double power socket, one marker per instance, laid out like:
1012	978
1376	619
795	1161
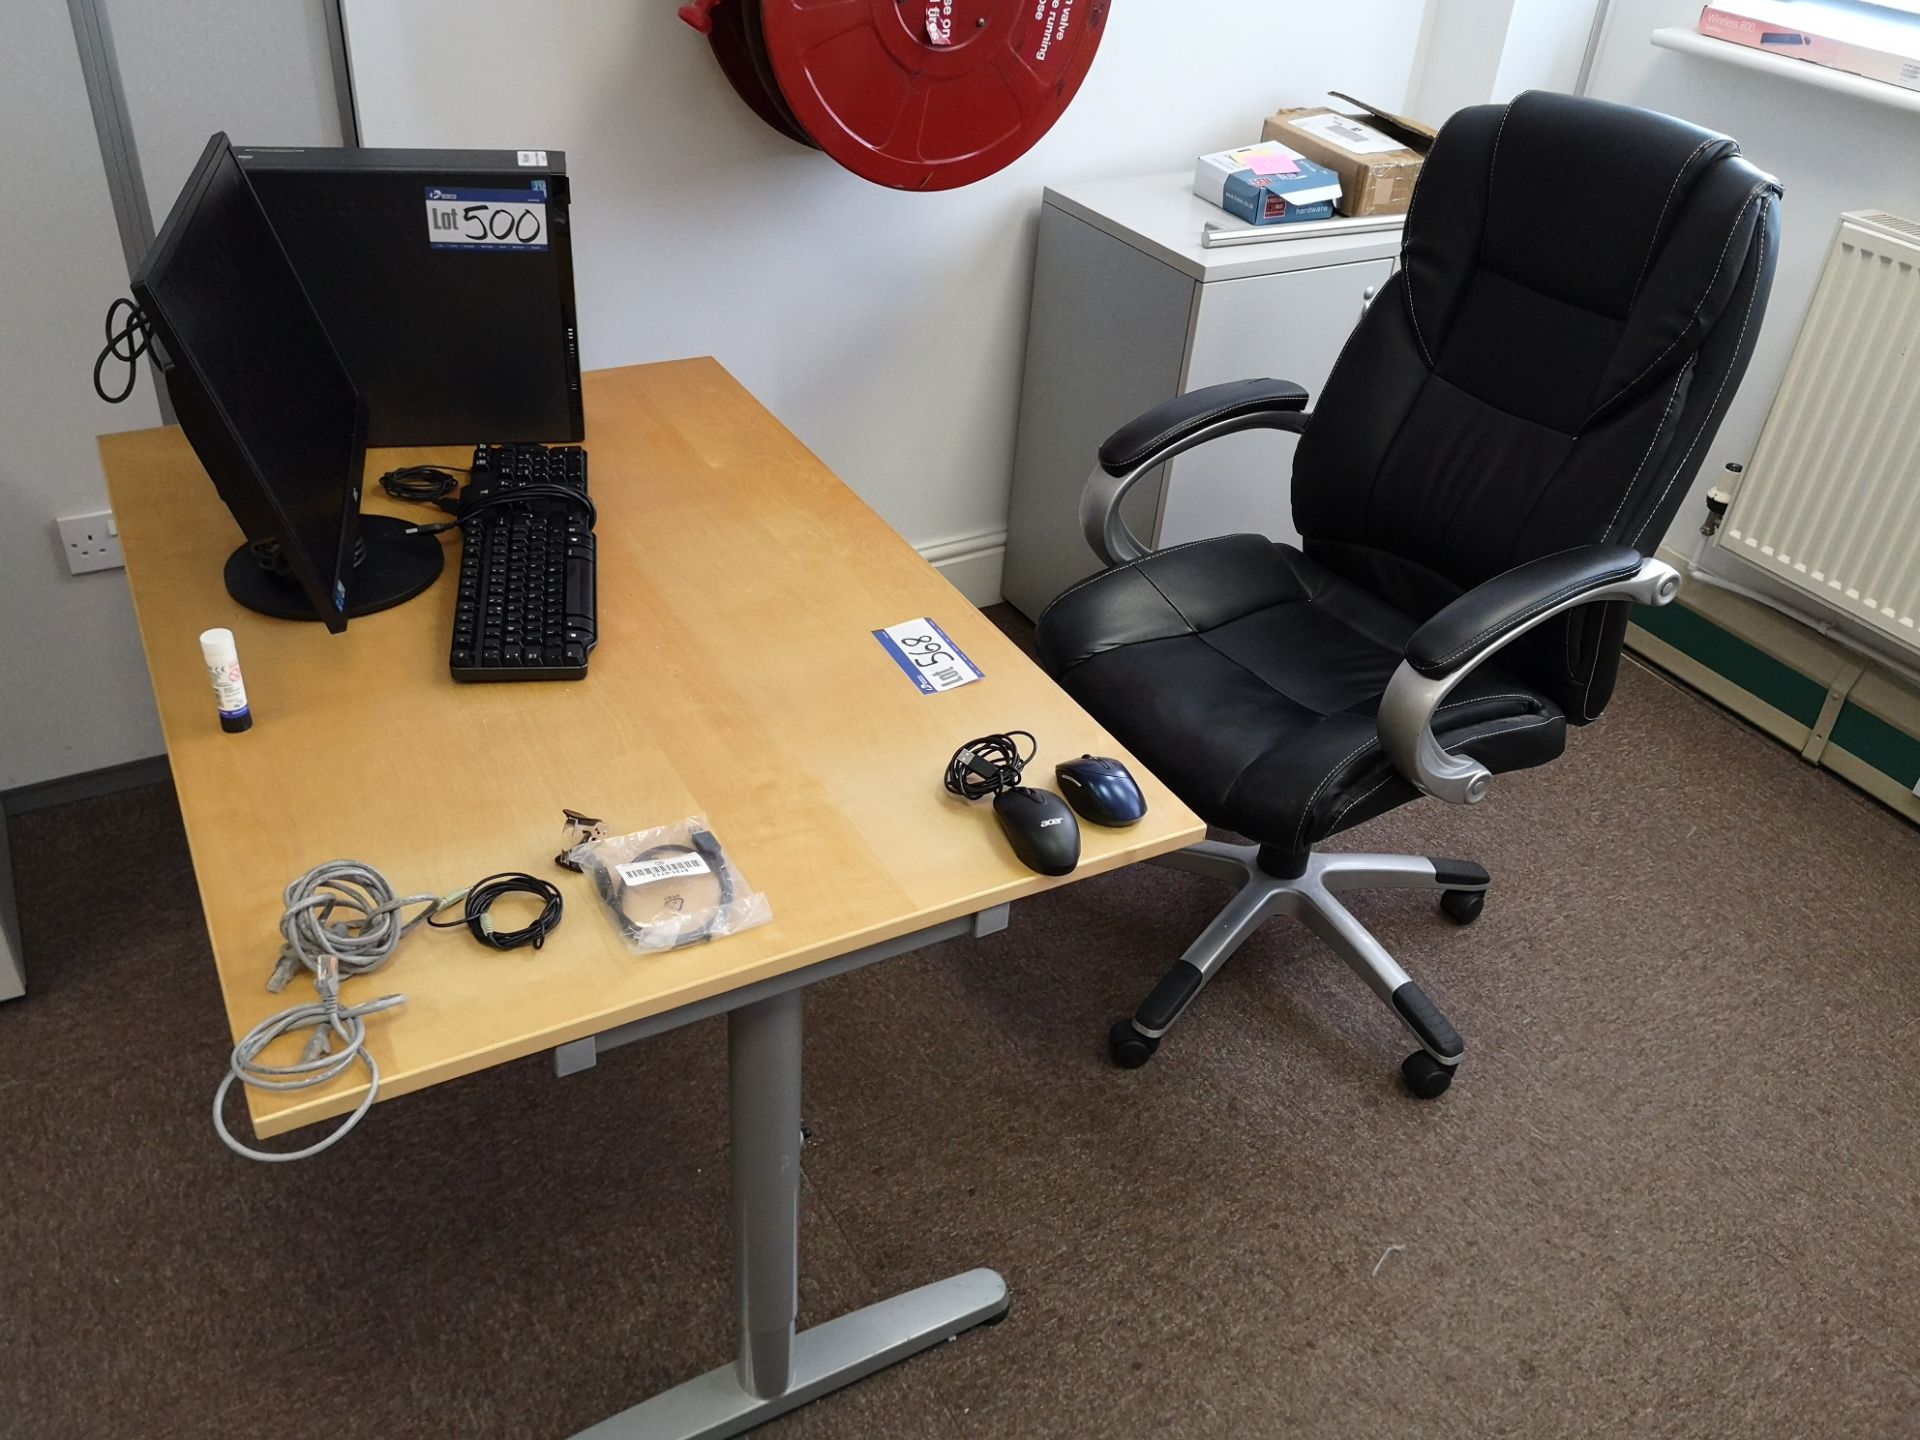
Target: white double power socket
92	542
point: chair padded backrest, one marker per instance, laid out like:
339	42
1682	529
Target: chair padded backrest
1580	288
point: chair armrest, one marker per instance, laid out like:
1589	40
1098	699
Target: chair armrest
1163	432
1452	644
1487	615
1147	438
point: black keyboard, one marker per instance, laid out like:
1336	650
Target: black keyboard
526	605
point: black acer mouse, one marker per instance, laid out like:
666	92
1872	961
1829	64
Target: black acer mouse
1101	790
1040	828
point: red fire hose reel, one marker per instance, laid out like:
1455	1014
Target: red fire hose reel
915	94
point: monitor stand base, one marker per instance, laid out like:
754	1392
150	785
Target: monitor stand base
395	568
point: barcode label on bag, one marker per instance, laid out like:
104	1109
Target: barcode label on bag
668	867
930	659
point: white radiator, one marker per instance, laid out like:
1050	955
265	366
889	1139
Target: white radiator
1831	499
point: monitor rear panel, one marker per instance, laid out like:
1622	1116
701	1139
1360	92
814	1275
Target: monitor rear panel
445	278
261	393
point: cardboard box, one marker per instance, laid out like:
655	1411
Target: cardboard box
1878	44
1266	184
1376	154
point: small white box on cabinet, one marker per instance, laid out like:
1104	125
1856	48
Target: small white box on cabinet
1129	309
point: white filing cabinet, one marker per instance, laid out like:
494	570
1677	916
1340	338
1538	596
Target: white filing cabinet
1130	309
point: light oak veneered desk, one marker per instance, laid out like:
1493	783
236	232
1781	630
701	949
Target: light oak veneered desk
736	676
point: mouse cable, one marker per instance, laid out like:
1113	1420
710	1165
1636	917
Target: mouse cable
424	484
480	897
341	919
519	494
127	344
989	765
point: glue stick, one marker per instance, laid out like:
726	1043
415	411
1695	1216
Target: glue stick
229	690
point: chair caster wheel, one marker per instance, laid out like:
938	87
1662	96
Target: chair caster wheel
1463	907
1426	1077
1129	1048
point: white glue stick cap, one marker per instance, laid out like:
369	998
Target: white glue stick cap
223	669
217	647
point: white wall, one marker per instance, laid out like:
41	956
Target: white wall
1460	57
76	696
1475	51
260	72
1832	152
75	693
1545	42
886	329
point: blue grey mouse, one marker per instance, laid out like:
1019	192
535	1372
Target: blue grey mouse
1101	790
1040	828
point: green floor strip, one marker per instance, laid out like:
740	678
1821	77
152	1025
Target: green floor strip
1753	670
1890	751
1887	748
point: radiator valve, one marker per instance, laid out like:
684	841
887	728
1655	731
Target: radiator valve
1721	496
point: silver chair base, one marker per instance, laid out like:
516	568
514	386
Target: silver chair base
1311	897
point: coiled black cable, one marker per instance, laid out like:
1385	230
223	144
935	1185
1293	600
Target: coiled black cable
989	765
518	495
423	484
126	344
614	891
480	899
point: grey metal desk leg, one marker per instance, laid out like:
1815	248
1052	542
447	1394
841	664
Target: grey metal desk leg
763	1110
778	1369
989	922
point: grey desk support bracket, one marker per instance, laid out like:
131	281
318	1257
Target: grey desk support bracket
778	1368
990	922
574	1056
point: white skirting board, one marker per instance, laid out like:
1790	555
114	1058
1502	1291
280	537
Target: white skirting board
971	563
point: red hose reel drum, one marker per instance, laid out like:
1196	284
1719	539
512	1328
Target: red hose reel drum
915	94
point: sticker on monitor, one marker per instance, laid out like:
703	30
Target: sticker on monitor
467	219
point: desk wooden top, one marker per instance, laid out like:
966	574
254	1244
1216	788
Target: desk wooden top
736	676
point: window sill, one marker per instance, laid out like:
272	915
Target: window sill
1798	72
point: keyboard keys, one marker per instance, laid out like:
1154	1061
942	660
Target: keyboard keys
526	607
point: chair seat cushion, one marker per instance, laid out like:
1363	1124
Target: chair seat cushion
1247	677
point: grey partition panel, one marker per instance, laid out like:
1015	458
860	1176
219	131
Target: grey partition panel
1104	342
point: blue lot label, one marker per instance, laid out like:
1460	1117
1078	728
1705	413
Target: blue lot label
930	659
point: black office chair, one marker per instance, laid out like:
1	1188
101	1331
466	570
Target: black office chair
1500	447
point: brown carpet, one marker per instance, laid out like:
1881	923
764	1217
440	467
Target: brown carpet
1673	1194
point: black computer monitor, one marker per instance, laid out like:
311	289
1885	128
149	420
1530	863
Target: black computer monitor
268	408
450	335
